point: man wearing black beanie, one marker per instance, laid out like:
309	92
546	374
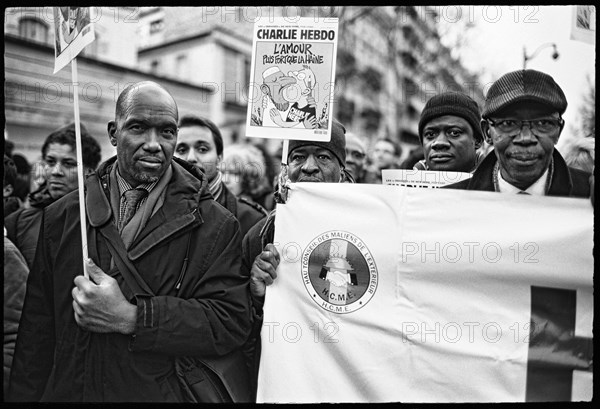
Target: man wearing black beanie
308	161
450	133
522	119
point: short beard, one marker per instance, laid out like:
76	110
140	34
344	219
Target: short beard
144	178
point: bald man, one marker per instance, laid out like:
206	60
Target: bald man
164	274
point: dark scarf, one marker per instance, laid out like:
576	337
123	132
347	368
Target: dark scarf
41	197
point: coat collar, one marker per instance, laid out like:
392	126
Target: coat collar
180	210
561	180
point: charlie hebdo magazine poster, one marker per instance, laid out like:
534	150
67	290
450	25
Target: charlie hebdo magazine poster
292	78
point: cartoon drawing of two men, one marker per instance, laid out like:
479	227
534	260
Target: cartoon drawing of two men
287	99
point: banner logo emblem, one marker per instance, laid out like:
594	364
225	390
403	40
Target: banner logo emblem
339	272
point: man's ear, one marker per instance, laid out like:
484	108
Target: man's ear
265	89
112	132
562	126
485	128
478	143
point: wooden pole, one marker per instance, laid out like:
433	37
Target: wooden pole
80	175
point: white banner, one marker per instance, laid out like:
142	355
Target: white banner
393	294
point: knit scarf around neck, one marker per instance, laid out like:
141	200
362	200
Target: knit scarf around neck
216	187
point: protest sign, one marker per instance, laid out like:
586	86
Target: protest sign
72	32
583	24
428	295
292	79
421	178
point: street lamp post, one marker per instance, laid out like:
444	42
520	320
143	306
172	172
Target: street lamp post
535	53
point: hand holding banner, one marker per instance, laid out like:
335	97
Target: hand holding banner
418	295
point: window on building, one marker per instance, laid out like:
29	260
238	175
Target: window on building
156	26
234	73
155	67
246	78
181	66
92	50
372	119
33	29
373	79
345	111
409	60
412	111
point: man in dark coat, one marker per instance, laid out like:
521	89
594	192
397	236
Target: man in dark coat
101	340
15	279
200	143
450	133
308	161
59	155
522	119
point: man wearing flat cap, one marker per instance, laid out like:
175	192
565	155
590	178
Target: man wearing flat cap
308	161
450	133
522	120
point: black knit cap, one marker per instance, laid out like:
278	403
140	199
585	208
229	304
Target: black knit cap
337	144
524	85
452	103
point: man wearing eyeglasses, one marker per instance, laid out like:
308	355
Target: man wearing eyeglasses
522	120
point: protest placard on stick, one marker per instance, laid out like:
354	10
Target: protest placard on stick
73	30
292	79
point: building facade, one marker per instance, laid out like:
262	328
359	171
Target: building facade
36	101
390	61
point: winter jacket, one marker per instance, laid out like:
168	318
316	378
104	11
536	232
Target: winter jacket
11	205
209	316
15	280
566	181
246	211
23	226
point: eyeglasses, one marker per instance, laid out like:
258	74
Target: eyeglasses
541	125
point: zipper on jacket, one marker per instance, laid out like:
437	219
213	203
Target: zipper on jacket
181	274
185	263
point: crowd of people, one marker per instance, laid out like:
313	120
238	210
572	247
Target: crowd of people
180	235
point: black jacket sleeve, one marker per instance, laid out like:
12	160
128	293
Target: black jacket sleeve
34	351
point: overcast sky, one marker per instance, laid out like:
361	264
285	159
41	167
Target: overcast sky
495	46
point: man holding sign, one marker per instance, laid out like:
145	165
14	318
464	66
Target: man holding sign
309	161
150	222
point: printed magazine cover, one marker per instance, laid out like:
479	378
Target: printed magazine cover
421	178
73	30
292	79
